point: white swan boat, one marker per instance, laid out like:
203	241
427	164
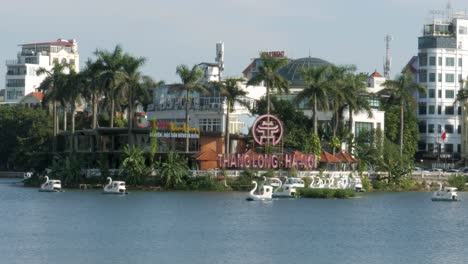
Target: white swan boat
448	194
51	185
115	187
288	189
265	193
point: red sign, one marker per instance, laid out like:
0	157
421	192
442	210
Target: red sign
276	54
267	161
267	129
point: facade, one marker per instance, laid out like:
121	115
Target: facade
441	66
21	77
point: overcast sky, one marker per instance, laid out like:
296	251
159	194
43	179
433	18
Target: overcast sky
169	33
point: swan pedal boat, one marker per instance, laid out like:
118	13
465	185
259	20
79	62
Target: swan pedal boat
51	185
265	193
115	187
448	194
288	189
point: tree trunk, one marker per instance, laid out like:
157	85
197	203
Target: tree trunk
112	112
54	113
350	127
315	116
64	118
73	127
130	117
401	128
226	150
337	121
94	111
187	98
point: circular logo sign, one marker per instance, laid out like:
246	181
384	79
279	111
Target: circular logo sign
267	129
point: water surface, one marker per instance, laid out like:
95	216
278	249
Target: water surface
197	227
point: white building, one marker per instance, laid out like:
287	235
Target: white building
21	77
442	62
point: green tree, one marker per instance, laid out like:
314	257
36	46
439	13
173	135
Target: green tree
357	98
269	76
230	89
133	164
173	170
316	92
401	91
190	82
93	87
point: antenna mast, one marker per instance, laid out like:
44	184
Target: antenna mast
388	59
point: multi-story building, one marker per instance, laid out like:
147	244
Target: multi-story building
21	76
441	66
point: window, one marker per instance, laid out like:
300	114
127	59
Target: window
421	146
439	110
462	30
449	77
431	128
449	94
460	62
439	61
449	110
15	83
72	62
431	93
449	148
210	125
430	147
458	148
449	129
422	59
459	110
362	126
432	61
439	93
432	109
422	94
422	76
422	108
439	129
422	127
450	61
439	78
459	129
432	77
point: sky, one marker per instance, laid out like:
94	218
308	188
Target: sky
169	33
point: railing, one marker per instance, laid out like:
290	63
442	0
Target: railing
199	104
12	62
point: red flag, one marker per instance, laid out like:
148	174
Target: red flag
444	135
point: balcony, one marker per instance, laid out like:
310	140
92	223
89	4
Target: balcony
12	62
208	104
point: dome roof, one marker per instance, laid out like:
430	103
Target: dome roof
292	73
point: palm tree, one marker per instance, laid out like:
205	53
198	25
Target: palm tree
317	90
356	96
268	74
401	90
111	68
173	170
93	87
50	86
134	164
190	82
230	89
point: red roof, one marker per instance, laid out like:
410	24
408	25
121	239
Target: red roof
376	74
345	157
328	158
54	43
39	96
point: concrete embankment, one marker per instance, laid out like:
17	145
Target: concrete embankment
11	174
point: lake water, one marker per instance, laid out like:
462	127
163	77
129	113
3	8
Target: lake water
196	227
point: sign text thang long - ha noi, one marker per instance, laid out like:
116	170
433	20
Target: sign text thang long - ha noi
267	130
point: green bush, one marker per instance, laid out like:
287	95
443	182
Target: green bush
457	182
325	193
205	183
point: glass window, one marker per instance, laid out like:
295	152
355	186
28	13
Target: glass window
430	147
439	93
422	108
439	110
459	110
422	76
431	93
210	125
439	129
460	62
362	126
449	110
458	148
449	148
439	61
421	146
462	30
449	129
432	109
432	77
450	61
449	77
449	94
422	127
439	78
431	128
422	59
432	61
459	129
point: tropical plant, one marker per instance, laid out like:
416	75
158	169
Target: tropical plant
230	89
70	94
268	74
401	91
67	169
190	82
93	89
133	164
173	170
316	91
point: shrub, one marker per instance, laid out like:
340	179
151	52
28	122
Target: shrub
457	182
325	193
